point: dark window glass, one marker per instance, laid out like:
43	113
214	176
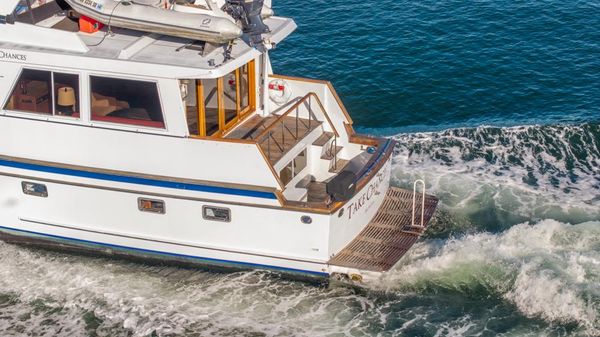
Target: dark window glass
66	87
35	189
151	206
230	93
125	102
216	213
32	93
211	104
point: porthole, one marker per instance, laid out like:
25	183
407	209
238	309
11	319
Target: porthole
216	213
306	219
151	206
35	189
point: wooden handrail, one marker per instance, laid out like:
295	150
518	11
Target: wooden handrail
291	109
325	113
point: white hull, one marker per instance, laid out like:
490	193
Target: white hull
101	217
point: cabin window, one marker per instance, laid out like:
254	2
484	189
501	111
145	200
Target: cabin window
216	213
223	101
151	206
294	168
211	101
35	189
125	102
46	92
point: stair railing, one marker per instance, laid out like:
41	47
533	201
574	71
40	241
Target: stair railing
278	138
414	203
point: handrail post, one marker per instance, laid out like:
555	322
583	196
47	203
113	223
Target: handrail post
418	181
269	145
282	135
335	153
309	110
297	119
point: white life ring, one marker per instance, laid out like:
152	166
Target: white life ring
230	84
279	91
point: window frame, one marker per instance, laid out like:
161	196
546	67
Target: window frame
141	208
124	126
84	104
205	217
292	164
241	114
51	115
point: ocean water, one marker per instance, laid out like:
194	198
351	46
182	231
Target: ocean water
495	103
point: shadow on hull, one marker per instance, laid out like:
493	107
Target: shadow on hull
147	258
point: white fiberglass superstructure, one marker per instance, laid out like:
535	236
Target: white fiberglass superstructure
136	140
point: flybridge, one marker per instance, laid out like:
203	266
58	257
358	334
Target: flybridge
58	30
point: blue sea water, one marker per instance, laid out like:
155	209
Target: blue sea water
495	103
428	65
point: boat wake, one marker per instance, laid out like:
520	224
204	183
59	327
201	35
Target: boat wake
491	178
516	252
550	270
528	280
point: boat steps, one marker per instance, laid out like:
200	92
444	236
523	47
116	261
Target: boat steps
323	139
331	152
338	166
390	234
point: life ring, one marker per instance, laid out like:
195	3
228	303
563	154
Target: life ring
279	91
230	84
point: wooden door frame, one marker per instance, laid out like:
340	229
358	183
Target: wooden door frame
240	114
201	109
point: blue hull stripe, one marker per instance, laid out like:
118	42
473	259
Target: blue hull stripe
207	260
137	180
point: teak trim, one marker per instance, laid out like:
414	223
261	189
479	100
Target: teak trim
281	186
201	108
241	112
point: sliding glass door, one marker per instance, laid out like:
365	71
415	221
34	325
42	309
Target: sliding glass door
217	105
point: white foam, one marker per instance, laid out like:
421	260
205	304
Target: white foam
454	164
549	270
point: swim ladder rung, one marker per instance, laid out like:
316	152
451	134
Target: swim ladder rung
414	203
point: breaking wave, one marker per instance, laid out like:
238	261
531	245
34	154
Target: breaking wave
549	270
540	279
491	178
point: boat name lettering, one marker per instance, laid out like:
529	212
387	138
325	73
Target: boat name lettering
12	56
91	3
371	190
